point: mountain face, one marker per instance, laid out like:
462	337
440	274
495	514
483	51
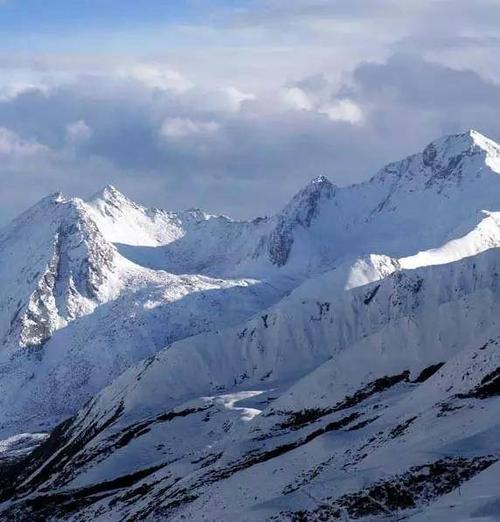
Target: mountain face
76	312
182	366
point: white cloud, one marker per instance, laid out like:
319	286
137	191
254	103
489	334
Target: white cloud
343	110
219	157
237	97
183	127
296	98
78	131
314	100
159	77
9	91
13	146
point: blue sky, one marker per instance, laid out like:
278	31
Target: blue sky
85	24
233	106
51	17
89	26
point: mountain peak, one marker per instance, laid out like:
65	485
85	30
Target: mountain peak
312	192
468	143
110	196
300	212
445	156
320	180
111	192
492	149
473	133
304	204
48	201
317	184
481	140
56	197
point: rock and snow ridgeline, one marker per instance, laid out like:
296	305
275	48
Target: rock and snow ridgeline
274	366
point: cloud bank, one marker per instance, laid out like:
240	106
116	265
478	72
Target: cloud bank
240	119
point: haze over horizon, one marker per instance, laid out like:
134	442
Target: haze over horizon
233	106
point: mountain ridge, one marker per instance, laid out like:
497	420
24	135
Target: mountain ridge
305	349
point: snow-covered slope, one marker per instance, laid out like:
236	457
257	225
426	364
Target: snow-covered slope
299	409
414	204
302	352
75	312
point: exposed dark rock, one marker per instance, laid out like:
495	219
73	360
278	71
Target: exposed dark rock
298	419
428	372
419	485
371	294
401	428
488	387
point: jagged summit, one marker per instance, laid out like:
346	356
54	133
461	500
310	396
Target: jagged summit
446	161
319	183
57	197
464	142
320	180
110	195
110	191
459	156
49	201
467	143
304	204
480	140
478	137
61	270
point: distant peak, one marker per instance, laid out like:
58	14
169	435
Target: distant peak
466	142
483	141
317	184
52	199
449	159
473	133
444	155
196	213
112	196
109	191
304	205
56	197
320	180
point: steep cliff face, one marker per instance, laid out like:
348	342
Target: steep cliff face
57	267
79	276
300	212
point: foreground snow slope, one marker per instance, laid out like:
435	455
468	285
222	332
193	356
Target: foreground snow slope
302	351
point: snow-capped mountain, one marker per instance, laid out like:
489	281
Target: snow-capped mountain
337	361
76	312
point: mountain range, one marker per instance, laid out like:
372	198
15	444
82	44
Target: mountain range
339	360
